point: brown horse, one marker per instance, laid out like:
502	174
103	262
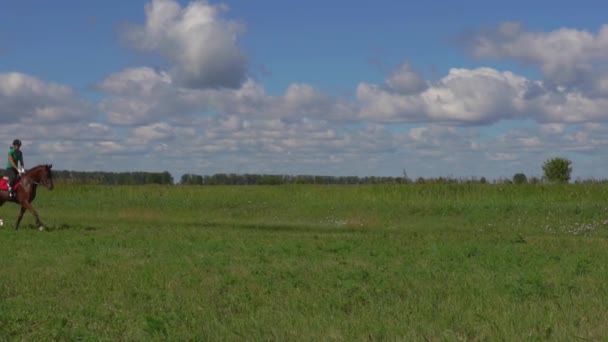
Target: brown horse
26	191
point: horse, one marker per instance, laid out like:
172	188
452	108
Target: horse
25	191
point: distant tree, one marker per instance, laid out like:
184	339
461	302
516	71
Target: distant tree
520	178
557	170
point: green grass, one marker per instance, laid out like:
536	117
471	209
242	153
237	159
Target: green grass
415	262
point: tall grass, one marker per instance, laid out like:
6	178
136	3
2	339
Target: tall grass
414	262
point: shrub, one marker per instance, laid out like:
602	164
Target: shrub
520	178
557	170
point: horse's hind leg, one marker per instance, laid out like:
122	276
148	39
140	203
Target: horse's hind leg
26	205
21	212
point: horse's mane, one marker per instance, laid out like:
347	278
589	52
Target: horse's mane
37	168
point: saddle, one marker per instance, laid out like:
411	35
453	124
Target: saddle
4	184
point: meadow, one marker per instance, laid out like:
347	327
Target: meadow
444	262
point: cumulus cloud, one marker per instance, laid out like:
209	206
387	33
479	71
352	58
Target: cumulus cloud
154	132
298	101
567	57
144	95
26	99
476	96
75	131
302	100
479	97
246	128
198	43
439	141
544	141
405	80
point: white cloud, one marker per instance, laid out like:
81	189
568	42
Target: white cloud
142	96
26	99
479	97
305	127
199	44
58	147
109	147
76	131
405	80
476	96
567	57
439	141
302	100
142	81
154	132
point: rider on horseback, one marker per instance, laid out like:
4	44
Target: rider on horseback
15	157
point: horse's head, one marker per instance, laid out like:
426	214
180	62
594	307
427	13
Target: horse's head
42	175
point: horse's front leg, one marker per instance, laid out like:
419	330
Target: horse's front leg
21	211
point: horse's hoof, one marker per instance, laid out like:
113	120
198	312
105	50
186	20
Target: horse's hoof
41	228
1	223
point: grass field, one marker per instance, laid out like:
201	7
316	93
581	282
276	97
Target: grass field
410	262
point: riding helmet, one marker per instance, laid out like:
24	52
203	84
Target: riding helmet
17	142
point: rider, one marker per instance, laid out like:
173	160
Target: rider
15	157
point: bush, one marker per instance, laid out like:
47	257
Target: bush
520	178
557	170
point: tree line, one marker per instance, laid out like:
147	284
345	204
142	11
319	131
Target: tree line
112	178
556	170
266	179
164	178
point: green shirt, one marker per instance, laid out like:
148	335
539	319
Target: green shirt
17	157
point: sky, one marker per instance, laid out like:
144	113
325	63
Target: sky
465	89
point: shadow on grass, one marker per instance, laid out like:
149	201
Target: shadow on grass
276	227
282	227
52	228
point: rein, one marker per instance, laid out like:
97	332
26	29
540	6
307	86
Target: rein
40	183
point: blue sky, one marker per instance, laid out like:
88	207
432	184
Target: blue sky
461	89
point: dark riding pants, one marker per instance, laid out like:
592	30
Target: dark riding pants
12	174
